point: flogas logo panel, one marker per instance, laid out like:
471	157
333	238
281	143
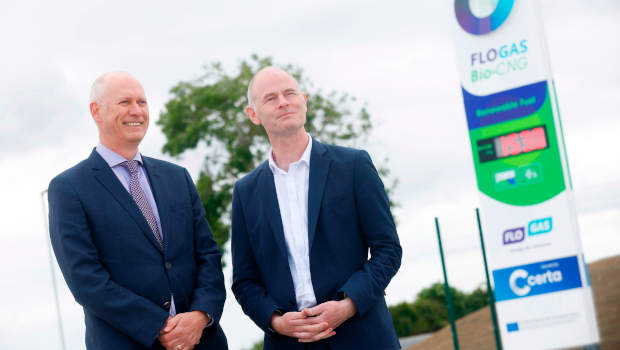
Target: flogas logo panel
535	227
539	278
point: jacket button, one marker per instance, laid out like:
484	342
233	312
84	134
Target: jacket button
168	265
292	302
167	305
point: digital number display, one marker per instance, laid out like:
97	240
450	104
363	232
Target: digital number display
513	144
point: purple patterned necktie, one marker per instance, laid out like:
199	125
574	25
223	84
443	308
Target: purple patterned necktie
140	198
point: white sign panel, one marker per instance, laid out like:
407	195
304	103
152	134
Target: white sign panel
543	297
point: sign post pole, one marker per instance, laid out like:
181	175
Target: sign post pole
498	340
446	287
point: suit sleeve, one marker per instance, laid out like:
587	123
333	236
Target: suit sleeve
367	285
247	284
210	292
87	279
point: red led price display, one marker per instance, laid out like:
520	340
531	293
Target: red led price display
513	144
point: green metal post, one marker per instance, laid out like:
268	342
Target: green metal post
498	340
446	287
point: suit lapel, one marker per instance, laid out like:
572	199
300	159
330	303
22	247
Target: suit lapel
108	179
319	167
158	186
269	198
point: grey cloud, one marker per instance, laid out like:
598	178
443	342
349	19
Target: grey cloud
36	109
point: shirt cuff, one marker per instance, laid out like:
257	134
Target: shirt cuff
280	312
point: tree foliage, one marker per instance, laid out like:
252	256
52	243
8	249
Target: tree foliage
257	346
428	312
211	109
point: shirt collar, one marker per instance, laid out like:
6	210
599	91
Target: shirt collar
112	158
304	157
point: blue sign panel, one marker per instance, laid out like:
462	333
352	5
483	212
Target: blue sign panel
503	106
539	278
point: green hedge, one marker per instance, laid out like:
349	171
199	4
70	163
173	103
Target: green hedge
428	312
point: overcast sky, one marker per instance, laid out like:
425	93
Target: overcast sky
396	56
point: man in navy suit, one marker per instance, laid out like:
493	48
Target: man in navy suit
130	236
303	223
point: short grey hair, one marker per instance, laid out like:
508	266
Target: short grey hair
98	90
251	101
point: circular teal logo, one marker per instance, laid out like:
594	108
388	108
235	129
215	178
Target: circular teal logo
480	26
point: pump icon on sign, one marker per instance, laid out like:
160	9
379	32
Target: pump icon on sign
530	174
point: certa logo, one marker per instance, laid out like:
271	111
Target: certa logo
532	281
480	26
514	235
537	278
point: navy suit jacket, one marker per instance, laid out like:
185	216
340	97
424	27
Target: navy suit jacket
348	215
113	264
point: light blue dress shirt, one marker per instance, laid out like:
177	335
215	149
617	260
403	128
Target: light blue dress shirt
114	159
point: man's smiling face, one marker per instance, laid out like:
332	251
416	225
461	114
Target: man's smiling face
124	119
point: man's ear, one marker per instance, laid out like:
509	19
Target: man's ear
249	111
305	101
95	111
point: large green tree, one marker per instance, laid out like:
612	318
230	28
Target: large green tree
211	109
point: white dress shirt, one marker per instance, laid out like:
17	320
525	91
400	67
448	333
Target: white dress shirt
292	192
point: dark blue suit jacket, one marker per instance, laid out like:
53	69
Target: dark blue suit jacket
348	215
113	264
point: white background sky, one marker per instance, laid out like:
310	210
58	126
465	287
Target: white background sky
396	56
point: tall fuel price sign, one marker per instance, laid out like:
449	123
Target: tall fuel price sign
542	292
